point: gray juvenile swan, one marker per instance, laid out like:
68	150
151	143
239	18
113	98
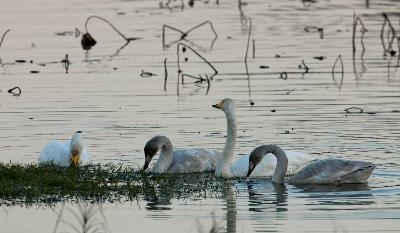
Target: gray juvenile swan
324	171
224	167
178	161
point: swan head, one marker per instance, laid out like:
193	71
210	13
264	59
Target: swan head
255	158
227	105
150	150
152	147
75	148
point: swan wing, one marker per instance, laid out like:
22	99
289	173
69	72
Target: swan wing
334	171
297	161
55	152
193	160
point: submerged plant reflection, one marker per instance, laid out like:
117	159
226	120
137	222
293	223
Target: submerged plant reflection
85	218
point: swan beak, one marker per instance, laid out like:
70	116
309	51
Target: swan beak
146	163
250	170
218	105
74	161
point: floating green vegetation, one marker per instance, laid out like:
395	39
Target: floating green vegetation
26	184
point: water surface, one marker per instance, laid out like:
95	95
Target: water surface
104	95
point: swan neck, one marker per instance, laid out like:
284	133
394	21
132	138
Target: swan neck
281	164
223	166
76	144
165	159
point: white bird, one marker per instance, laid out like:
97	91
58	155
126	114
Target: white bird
324	171
224	166
69	153
178	161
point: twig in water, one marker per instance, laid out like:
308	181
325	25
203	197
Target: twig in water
88	41
181	6
208	84
315	29
283	75
339	58
165	74
289	91
191	3
351	110
77	32
319	58
15	91
66	63
185	34
304	66
183	47
145	74
391	31
308	3
248	41
245	62
254	49
243	17
4	34
357	20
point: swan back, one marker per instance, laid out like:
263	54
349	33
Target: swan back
178	161
55	152
327	171
193	160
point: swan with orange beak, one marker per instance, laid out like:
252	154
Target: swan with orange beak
69	153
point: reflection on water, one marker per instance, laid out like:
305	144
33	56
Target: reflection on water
343	196
242	206
81	218
264	196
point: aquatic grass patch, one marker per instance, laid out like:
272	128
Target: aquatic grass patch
49	183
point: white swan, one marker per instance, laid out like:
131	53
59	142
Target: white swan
239	168
178	161
69	153
324	171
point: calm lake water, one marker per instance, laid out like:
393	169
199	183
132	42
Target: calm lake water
118	109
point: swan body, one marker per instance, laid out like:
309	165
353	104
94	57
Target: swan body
68	153
224	166
178	161
324	171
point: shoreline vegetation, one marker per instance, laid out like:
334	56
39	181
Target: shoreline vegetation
48	184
